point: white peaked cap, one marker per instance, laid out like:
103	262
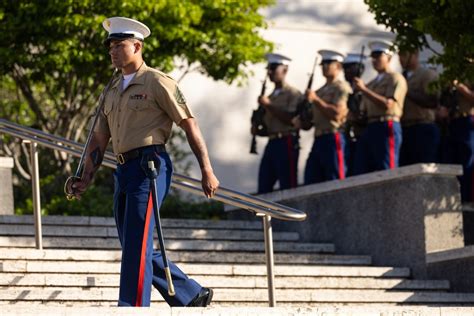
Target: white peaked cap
330	55
121	28
381	46
353	58
277	59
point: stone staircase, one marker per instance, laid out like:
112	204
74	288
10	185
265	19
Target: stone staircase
81	262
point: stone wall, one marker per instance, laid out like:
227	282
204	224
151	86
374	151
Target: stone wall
396	216
457	265
6	186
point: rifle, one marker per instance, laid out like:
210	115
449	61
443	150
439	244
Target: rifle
257	121
354	99
304	107
450	99
361	61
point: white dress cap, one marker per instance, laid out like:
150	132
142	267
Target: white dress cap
381	46
121	28
277	59
330	55
354	58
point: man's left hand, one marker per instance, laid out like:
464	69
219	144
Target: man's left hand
264	101
359	84
209	182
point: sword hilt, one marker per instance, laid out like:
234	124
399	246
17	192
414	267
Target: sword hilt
68	189
151	166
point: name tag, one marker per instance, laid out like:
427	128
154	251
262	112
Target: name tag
138	97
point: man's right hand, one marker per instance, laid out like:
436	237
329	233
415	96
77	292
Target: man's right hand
75	187
296	121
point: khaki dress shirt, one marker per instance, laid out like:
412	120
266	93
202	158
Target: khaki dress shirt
143	113
414	113
390	85
285	99
334	93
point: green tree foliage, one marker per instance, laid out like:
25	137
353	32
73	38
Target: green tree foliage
52	48
53	64
449	22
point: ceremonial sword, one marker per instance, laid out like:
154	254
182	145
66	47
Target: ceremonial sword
68	189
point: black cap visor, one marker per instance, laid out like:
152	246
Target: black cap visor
273	66
119	37
328	61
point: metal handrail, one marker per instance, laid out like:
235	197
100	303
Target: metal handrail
238	199
260	207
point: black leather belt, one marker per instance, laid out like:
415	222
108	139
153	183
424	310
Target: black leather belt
383	118
135	153
282	134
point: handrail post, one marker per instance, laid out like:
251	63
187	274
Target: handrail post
36	193
267	227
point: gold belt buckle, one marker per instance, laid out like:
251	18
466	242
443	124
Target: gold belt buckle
120	159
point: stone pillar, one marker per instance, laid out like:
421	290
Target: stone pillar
6	186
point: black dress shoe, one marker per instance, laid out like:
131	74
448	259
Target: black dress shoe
203	299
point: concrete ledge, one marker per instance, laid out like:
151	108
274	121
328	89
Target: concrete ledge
396	216
92	267
169	233
35	280
185	256
457	265
171	244
241	296
452	254
369	179
110	222
334	310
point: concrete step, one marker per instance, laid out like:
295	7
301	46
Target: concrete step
171	244
109	221
185	256
9	294
216	282
169	233
93	267
157	310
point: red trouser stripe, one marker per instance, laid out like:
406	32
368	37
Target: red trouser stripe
340	155
391	144
141	274
291	159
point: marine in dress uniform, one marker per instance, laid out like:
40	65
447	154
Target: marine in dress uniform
421	135
139	111
461	138
280	158
383	99
356	121
326	159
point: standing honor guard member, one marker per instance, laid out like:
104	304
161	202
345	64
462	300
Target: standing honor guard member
421	135
139	110
326	159
461	137
356	122
280	158
383	100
